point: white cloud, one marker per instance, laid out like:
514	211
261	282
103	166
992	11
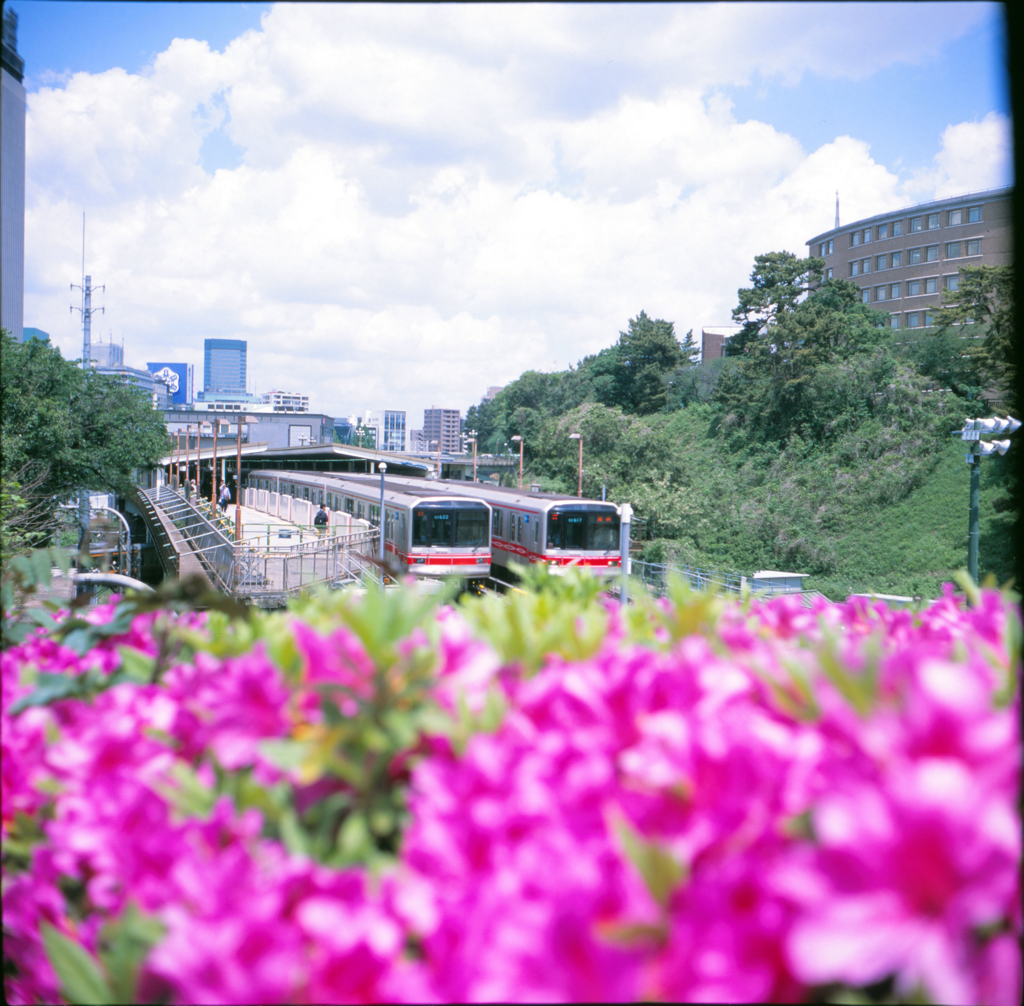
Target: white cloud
433	199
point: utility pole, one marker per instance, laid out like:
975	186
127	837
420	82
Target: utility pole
87	312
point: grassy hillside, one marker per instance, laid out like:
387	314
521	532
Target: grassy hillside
825	447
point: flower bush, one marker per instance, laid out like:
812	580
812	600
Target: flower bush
383	799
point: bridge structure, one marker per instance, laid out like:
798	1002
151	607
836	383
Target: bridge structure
274	559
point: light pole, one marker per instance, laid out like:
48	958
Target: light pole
972	431
213	468
579	437
188	462
382	468
520	439
471	437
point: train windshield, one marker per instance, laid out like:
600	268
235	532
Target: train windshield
452	524
590	529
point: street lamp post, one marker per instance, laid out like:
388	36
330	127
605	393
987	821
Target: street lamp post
188	462
471	436
213	468
579	437
382	468
972	431
520	439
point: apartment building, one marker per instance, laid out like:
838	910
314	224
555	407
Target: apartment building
902	261
443	426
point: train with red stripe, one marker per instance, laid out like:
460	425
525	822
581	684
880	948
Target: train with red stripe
428	531
523	527
551	528
534	527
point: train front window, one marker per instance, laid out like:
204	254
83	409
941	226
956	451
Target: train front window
461	524
588	530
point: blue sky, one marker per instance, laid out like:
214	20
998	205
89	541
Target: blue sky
400	205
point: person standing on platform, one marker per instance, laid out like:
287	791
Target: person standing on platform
321	521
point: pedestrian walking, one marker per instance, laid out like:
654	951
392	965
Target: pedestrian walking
225	498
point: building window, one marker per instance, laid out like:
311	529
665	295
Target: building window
855	268
866	265
914	256
931	285
883	231
953	249
831	245
916	224
894	321
897	228
913	320
879	263
933	221
932	253
955	218
879	293
913	287
952	282
867	235
894	291
973	247
855	239
828	273
865	295
929	319
974	215
824	249
897	259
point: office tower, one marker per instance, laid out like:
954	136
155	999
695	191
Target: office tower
224	365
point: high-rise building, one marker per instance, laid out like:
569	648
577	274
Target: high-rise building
224	365
388	426
12	179
106	355
443	426
902	261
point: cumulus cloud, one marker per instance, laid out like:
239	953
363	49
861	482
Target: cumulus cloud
432	199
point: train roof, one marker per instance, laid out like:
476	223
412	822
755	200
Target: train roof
514	496
393	488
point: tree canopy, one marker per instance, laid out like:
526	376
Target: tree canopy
65	429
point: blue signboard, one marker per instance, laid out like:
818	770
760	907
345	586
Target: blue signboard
179	380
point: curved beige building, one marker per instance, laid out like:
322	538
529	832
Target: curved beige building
902	261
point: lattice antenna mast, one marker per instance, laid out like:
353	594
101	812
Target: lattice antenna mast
87	310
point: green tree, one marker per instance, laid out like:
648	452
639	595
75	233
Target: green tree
984	298
65	429
648	352
779	281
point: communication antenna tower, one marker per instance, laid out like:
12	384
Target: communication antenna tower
87	310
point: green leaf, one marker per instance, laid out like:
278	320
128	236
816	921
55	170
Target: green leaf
79	973
49	688
135	665
124	945
659	869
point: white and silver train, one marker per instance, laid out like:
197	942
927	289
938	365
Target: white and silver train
531	527
428	531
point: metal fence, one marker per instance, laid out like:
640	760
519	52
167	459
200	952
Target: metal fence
656	575
205	539
267	574
270	575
